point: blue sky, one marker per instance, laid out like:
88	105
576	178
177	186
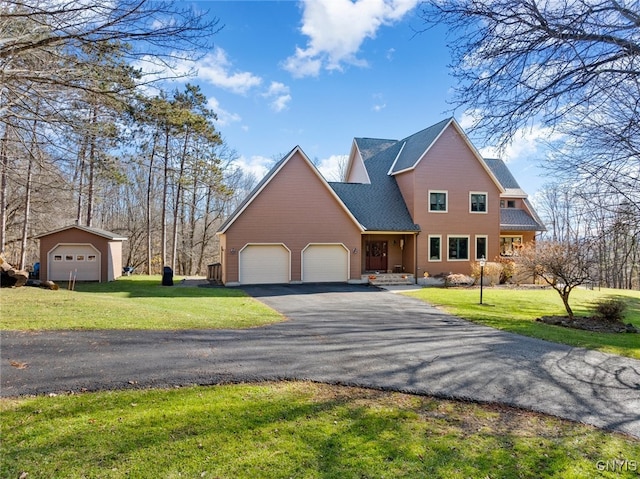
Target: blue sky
317	73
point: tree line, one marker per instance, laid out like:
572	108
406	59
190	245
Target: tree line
88	137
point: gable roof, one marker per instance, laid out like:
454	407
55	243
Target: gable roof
416	145
267	179
504	176
96	231
379	205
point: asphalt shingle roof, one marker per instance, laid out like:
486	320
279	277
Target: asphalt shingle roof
516	219
378	206
417	144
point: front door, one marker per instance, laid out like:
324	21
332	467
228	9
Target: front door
376	256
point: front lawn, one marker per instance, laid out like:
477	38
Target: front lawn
516	310
296	429
134	302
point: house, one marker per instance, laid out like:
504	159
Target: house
88	254
428	203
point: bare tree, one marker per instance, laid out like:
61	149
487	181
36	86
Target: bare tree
572	65
562	266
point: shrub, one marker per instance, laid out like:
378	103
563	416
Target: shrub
610	310
492	272
459	280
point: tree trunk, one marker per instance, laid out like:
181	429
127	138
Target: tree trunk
176	207
165	192
3	188
149	187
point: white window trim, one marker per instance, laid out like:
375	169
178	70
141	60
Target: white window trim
439	260
486	202
446	201
468	248
486	242
510	236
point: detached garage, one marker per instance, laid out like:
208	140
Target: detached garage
88	254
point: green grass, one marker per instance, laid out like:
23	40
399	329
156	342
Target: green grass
515	310
301	430
135	302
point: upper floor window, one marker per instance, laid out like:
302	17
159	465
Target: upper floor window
507	203
478	202
438	201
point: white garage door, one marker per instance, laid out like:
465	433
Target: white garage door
81	261
324	263
264	264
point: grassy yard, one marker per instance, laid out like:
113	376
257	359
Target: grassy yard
515	310
135	302
298	429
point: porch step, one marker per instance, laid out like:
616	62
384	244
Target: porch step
388	279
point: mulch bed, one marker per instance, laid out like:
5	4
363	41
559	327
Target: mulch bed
590	324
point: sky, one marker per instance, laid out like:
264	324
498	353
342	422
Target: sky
317	73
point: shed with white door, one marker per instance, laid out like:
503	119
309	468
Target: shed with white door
80	252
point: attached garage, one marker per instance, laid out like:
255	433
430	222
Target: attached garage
325	263
81	261
264	264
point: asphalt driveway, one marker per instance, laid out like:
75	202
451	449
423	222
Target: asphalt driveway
355	335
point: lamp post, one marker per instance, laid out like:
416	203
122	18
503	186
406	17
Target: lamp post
482	263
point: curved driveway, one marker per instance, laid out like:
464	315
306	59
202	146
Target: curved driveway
343	334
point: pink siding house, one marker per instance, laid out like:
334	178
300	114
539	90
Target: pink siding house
428	203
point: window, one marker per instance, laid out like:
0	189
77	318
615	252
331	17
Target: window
481	247
57	257
507	203
510	245
68	257
438	201
458	248
79	257
91	257
478	202
435	248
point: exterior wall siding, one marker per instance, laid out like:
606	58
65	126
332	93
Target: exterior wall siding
295	208
451	166
111	252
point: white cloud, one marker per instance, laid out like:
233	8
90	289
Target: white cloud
224	117
258	166
215	68
336	30
279	95
332	167
529	142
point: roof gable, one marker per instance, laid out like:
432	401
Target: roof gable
416	147
270	176
96	231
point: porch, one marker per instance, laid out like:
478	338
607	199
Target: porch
388	279
390	257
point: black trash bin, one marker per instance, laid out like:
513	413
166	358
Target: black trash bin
167	276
